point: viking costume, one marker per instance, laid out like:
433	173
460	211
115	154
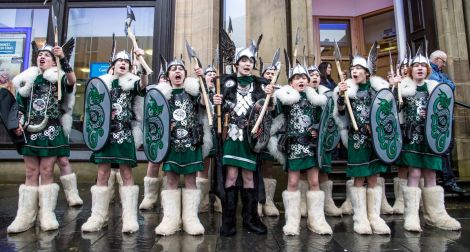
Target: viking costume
417	154
184	157
125	137
240	95
300	114
362	161
47	122
327	186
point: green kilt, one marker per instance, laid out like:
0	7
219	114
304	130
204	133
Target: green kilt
419	156
326	162
116	153
363	162
184	162
45	147
300	164
239	154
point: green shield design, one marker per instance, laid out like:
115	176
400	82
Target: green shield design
156	126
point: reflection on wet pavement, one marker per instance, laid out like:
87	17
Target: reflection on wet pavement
70	238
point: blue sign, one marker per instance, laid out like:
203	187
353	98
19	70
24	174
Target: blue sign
7	47
98	69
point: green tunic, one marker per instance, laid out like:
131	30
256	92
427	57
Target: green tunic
415	152
362	161
51	141
120	148
185	154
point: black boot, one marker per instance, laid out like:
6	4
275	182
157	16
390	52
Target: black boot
229	211
251	220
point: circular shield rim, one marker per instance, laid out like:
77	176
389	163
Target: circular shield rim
400	145
156	161
429	120
98	148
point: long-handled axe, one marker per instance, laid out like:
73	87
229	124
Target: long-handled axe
128	31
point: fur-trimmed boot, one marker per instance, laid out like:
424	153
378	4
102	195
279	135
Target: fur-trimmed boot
374	196
251	219
346	207
100	197
191	223
229	212
27	209
151	189
359	204
171	221
203	185
217	205
399	205
316	221
70	188
303	188
129	199
385	207
436	214
411	197
330	207
47	203
269	208
292	211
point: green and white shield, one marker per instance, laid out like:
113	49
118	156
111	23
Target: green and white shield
260	139
97	120
385	127
440	111
332	136
323	133
156	126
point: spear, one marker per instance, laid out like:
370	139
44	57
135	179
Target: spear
217	90
346	97
56	43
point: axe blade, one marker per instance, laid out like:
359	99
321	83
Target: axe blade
337	52
190	50
230	27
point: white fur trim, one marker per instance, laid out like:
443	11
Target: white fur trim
127	81
378	83
165	88
274	151
23	82
314	98
352	88
344	133
408	87
67	105
137	132
191	86
207	142
51	74
322	89
287	95
432	84
341	120
107	79
277	124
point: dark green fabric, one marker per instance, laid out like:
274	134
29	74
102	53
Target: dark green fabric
239	154
245	80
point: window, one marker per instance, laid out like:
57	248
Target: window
93	29
331	31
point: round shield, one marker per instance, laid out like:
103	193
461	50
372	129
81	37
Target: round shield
332	135
97	120
385	127
156	126
9	116
440	111
260	139
323	131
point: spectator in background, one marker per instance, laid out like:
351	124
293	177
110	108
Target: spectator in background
325	75
5	76
438	62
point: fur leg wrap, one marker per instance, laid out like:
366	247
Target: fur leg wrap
330	208
385	207
217	205
100	197
111	184
47	202
292	211
69	182
129	198
303	188
399	205
203	185
412	197
151	188
346	207
374	197
358	201
171	203
269	209
191	223
433	201
27	209
316	221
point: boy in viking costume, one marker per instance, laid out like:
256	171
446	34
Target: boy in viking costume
362	161
42	124
268	208
241	92
125	90
417	155
152	183
180	208
208	151
300	107
326	185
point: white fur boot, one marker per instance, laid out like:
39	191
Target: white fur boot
359	204
385	207
151	188
303	188
346	207
129	197
269	209
316	217
171	221
191	223
292	211
100	197
412	197
330	208
399	205
70	188
203	185
47	203
436	214
217	205
374	196
27	209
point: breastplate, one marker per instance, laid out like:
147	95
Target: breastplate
184	120
239	114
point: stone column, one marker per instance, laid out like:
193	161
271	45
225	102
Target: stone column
452	36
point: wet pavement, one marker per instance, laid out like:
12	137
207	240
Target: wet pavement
70	238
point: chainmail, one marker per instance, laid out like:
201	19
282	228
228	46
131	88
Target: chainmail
185	122
413	121
122	115
239	112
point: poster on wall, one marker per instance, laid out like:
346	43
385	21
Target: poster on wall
14	51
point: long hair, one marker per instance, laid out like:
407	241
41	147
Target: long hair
324	77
